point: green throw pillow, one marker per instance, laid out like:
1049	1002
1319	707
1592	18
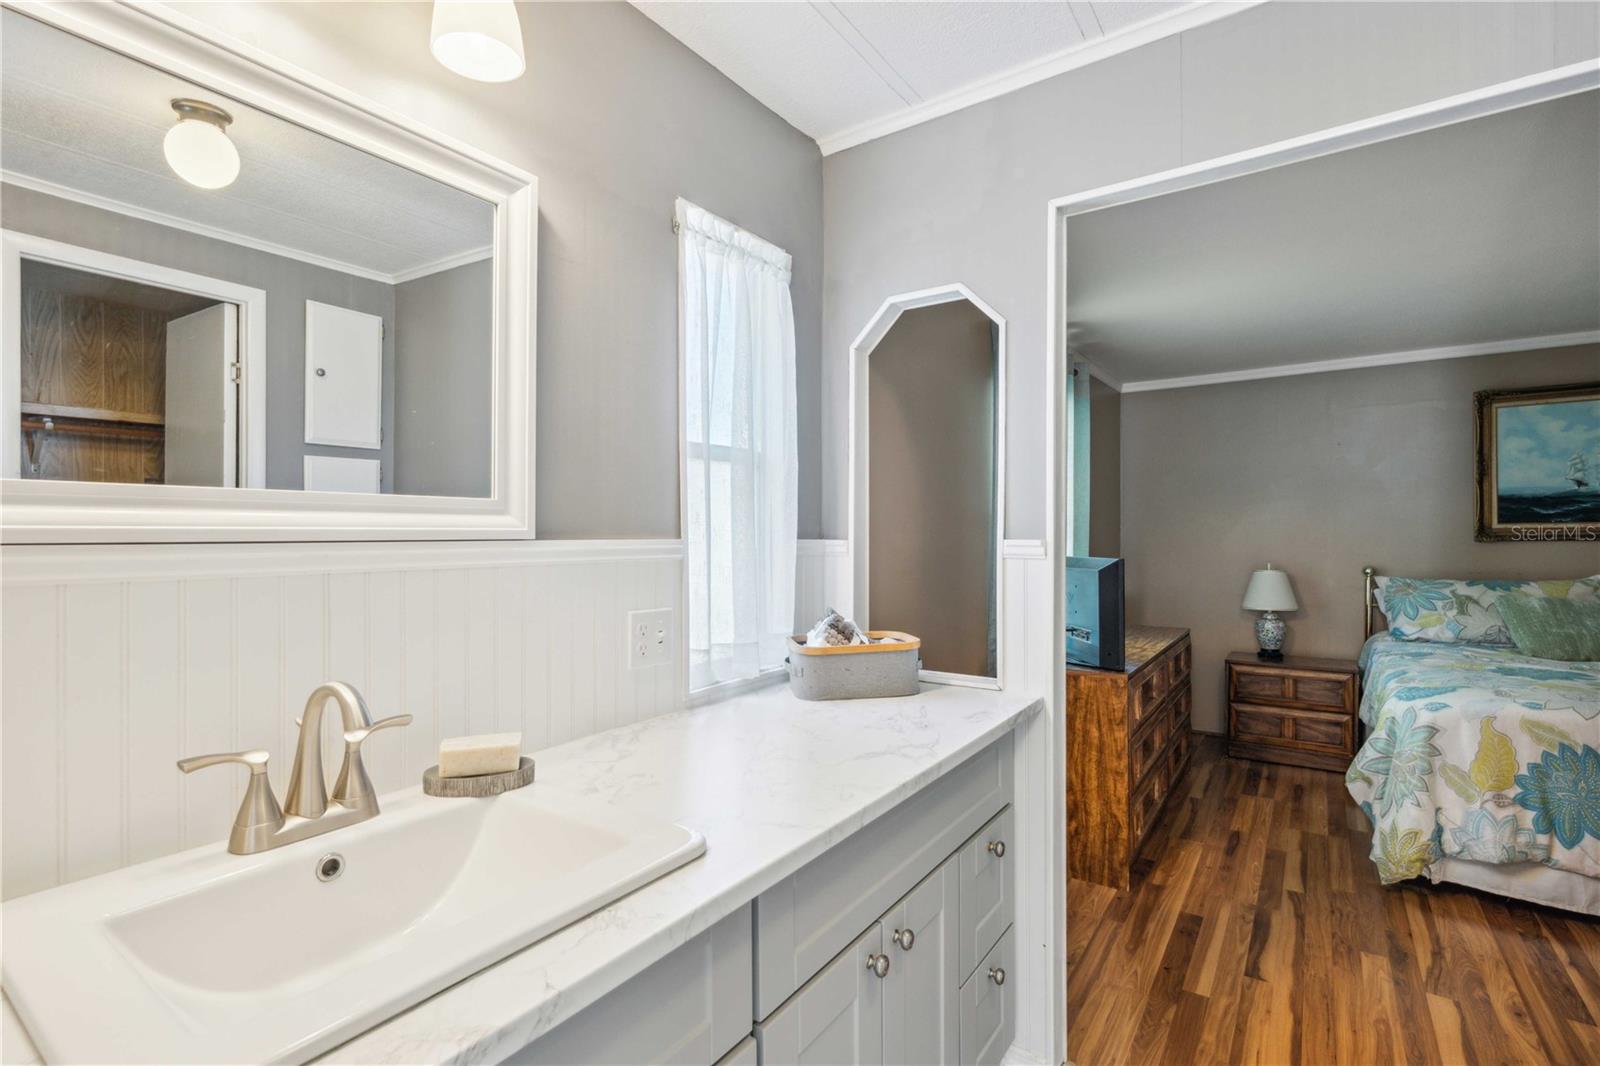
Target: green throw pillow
1547	628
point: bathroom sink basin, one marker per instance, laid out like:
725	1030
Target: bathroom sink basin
210	957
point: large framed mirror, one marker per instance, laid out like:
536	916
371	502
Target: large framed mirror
927	479
240	305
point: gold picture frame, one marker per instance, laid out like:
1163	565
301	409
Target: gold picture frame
1535	492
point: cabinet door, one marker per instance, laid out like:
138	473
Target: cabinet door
836	1019
921	995
985	889
344	376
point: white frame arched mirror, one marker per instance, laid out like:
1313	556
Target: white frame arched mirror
861	348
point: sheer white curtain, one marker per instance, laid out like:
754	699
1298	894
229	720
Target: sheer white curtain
740	451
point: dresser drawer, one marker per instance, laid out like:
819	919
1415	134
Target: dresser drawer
1147	689
1178	713
1182	661
1291	727
1178	760
1148	748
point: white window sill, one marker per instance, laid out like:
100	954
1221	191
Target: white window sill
727	690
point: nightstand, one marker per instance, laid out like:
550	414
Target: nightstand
1300	711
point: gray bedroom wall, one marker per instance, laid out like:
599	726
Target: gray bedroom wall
444	356
1319	475
616	119
962	198
289	283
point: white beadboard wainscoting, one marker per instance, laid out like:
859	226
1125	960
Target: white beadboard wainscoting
118	660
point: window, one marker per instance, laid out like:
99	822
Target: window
740	459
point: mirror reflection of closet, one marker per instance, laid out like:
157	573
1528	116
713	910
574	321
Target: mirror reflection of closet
932	471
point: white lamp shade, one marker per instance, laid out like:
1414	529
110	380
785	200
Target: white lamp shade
479	39
1269	590
201	154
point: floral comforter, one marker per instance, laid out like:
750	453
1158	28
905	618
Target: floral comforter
1480	753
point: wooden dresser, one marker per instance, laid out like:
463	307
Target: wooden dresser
1128	740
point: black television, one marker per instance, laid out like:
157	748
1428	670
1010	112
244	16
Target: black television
1094	612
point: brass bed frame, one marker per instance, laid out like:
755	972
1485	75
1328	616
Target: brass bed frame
1371	602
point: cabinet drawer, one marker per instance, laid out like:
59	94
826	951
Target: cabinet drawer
836	1018
689	1007
988	1007
1259	724
1149	688
1144	806
1148	748
1335	692
986	863
809	917
1246	685
1331	731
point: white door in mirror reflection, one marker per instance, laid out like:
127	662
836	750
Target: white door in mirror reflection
202	438
344	377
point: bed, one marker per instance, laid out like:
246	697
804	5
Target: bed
1480	765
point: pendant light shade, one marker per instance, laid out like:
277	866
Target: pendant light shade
198	149
479	39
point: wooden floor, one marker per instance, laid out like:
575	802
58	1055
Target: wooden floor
1256	932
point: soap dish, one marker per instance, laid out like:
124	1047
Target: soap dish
478	786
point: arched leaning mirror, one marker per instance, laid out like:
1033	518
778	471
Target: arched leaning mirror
927	478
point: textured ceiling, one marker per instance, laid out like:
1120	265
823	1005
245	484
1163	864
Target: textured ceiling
833	70
1483	231
99	131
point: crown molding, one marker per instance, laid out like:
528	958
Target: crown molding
1361	362
217	233
1190	16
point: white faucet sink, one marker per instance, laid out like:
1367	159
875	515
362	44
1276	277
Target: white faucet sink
206	956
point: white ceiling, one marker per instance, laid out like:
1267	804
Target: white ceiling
1480	232
845	72
97	133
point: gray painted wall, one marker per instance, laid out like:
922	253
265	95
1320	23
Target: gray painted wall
931	450
963	198
443	375
617	119
1319	475
289	283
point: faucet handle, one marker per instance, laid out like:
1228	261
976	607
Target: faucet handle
259	814
353	788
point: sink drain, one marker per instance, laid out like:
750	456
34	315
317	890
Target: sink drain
330	866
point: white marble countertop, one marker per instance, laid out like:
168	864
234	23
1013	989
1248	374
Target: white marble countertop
771	781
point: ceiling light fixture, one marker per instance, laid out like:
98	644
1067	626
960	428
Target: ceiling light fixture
479	39
198	149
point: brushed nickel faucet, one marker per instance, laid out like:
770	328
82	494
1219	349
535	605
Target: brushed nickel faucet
261	824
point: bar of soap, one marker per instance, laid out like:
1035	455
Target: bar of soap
491	753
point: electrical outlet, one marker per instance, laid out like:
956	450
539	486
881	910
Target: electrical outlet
649	638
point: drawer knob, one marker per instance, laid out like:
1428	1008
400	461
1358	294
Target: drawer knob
905	938
878	964
997	848
997	974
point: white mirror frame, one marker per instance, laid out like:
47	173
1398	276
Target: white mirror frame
85	512
860	350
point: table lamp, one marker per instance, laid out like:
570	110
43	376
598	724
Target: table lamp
1269	591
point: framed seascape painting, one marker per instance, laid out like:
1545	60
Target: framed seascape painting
1539	464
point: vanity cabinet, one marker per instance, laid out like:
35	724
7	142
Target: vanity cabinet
891	948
